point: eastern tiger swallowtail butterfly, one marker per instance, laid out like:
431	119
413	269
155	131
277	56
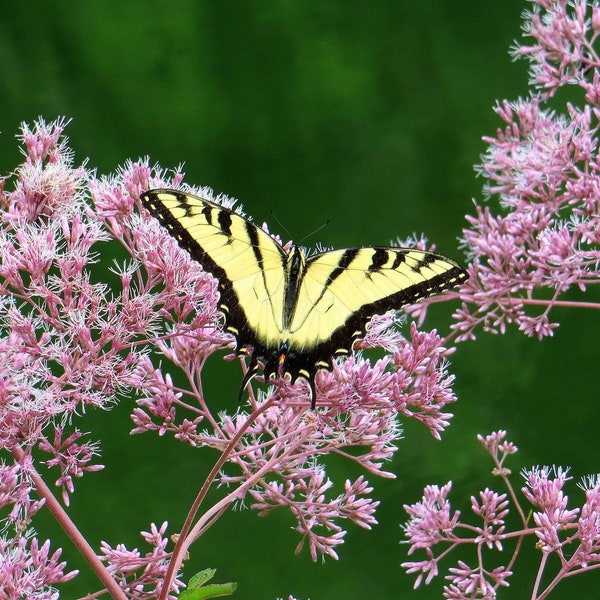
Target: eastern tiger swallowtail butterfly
294	312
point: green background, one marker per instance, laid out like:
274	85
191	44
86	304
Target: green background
365	115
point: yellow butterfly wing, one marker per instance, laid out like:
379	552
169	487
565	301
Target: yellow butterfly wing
247	262
342	289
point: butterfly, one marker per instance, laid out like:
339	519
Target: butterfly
295	313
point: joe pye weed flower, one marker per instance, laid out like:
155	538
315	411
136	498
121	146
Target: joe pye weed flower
78	334
536	238
71	341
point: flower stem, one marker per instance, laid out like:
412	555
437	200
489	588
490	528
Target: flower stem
182	541
562	303
70	529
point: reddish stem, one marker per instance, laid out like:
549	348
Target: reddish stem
176	556
71	530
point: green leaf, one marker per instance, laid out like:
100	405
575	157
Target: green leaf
196	589
201	578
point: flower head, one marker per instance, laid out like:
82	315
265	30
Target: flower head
431	519
537	237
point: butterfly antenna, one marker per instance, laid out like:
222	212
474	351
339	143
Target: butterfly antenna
315	231
279	222
289	235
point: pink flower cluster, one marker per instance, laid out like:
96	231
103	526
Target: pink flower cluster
29	570
542	168
544	237
543	241
76	334
68	342
141	577
570	534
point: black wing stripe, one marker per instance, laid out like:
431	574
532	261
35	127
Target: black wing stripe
400	258
224	220
255	244
346	260
380	257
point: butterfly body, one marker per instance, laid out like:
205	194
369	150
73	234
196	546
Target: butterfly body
295	312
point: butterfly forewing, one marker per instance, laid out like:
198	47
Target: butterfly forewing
342	289
248	263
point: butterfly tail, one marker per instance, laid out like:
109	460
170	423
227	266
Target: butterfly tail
250	373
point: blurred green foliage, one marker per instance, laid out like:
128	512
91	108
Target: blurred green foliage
365	114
